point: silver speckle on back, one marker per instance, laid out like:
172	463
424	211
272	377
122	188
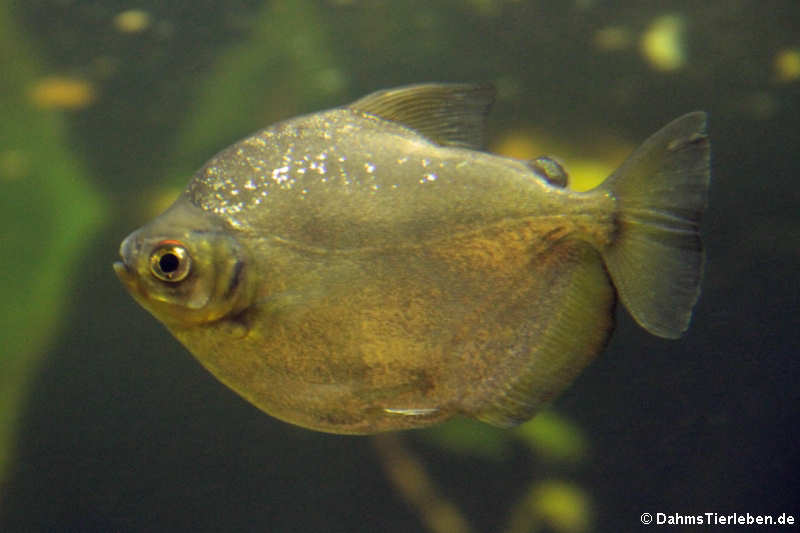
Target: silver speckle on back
342	178
300	156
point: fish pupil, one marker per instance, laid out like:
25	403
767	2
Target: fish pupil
169	263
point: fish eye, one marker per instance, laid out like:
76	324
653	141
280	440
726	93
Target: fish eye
170	261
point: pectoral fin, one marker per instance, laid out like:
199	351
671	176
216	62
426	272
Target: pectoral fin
412	411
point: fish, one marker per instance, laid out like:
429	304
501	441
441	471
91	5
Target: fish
372	267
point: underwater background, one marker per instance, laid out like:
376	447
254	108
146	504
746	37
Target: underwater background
108	424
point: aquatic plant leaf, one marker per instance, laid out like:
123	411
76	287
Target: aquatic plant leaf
553	437
553	505
47	214
470	437
283	68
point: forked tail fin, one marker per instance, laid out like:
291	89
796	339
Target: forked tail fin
656	258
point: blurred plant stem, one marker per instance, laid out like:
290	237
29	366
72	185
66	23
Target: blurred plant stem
413	482
48	213
551	504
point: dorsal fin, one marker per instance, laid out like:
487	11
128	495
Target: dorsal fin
447	114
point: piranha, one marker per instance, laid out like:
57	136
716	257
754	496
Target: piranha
372	268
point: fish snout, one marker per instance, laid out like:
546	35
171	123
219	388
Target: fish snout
128	251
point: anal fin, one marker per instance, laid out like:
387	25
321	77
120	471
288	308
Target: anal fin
569	325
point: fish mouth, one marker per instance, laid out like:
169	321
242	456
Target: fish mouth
121	268
126	276
122	271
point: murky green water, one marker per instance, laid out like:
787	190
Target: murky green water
108	424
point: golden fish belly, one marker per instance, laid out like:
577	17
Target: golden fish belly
394	338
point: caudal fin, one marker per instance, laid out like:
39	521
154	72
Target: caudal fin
656	258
